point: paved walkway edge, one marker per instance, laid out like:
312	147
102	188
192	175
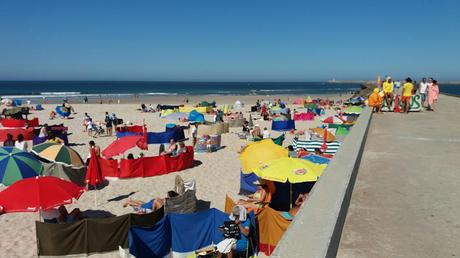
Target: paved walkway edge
317	228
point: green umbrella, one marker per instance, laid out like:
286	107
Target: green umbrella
16	165
353	110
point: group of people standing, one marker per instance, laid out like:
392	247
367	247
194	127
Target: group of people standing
390	91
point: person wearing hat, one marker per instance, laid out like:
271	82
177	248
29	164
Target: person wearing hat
375	101
388	88
408	87
236	232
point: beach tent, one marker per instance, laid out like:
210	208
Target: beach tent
16	165
256	154
62	111
283	125
39	107
238	104
341	131
195	116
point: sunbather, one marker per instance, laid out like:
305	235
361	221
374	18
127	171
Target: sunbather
150	206
236	233
257	199
61	215
171	149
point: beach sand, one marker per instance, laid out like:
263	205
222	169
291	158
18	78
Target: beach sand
217	175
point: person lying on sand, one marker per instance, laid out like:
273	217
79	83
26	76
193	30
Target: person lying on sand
61	215
150	206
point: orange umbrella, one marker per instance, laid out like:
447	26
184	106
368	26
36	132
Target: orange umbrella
321	132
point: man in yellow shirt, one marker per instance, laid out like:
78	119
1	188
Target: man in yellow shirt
388	88
408	87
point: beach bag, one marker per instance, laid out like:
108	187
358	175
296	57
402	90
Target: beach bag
230	229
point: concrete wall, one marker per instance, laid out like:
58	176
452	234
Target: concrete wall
316	229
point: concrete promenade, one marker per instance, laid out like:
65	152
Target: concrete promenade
406	200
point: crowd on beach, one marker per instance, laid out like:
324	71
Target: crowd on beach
238	230
390	92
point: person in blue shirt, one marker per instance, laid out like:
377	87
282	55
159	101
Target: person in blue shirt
236	240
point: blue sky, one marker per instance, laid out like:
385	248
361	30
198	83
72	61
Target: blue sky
238	40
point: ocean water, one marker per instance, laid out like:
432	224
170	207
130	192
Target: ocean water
120	89
453	89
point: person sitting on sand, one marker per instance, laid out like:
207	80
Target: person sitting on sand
130	156
9	141
171	149
236	232
43	131
61	215
289	215
53	138
52	114
375	101
257	199
256	132
246	127
181	148
150	206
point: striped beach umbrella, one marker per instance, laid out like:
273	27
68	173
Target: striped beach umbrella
16	164
58	153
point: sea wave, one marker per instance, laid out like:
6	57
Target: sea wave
60	93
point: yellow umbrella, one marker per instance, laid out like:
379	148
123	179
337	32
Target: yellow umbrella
256	154
290	169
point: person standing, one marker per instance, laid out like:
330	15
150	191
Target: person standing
408	87
423	86
108	124
433	94
388	88
97	150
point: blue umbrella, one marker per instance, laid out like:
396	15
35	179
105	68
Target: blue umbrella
16	165
62	111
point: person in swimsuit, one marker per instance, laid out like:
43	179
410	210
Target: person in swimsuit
150	206
257	199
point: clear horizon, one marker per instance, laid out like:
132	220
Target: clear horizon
238	41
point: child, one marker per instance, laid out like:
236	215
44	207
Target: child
208	145
52	115
375	101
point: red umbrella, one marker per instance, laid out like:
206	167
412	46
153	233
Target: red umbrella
35	193
121	145
94	172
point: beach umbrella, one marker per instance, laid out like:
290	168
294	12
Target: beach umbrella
321	132
289	169
38	193
16	165
119	146
58	153
353	110
332	120
256	154
317	159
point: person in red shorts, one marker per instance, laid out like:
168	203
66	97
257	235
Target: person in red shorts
408	87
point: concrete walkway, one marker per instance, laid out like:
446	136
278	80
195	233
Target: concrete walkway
406	201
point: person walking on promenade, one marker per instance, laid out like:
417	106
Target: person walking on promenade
433	94
408	87
423	86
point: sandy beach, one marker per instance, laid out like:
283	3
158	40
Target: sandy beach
216	176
